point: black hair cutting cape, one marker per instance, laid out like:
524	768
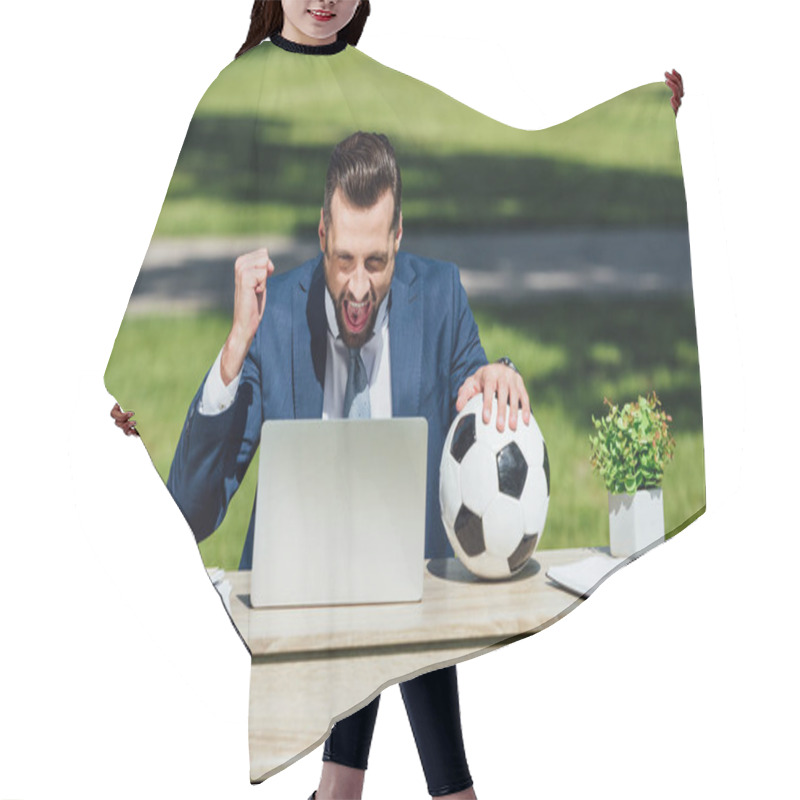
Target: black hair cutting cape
572	246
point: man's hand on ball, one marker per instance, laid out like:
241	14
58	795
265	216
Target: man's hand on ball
250	298
507	384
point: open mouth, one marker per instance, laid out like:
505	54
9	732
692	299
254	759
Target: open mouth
356	315
321	16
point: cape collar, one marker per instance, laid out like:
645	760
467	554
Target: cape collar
308	49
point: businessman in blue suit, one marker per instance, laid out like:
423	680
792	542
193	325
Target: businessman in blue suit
360	330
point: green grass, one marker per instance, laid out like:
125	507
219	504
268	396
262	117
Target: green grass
571	354
255	156
574	354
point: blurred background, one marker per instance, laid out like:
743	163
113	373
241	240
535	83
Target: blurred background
572	243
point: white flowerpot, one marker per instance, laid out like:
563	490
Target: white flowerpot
636	521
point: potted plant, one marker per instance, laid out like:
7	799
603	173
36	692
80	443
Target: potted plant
630	449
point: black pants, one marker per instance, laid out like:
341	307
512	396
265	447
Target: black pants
432	706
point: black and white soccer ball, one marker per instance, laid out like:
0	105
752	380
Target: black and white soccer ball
494	489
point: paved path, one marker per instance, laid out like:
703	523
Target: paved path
195	274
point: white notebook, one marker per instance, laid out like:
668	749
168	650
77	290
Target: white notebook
582	577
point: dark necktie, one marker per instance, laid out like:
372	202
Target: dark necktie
356	393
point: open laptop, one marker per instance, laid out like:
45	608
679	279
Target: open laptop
340	512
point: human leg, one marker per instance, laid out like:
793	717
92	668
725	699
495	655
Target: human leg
346	753
432	705
339	782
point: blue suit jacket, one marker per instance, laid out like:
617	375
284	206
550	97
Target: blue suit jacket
434	347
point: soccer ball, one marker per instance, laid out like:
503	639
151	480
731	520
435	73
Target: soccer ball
494	489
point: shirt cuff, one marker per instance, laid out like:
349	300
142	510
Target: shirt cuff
217	397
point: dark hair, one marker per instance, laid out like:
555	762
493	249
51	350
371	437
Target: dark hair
363	166
266	19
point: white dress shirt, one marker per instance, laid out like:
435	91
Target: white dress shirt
217	397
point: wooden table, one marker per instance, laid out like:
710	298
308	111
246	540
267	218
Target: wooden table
312	666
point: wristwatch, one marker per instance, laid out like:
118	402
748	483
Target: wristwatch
508	362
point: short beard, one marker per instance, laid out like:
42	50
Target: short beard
351	340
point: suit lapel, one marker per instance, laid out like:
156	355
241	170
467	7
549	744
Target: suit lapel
308	335
405	340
